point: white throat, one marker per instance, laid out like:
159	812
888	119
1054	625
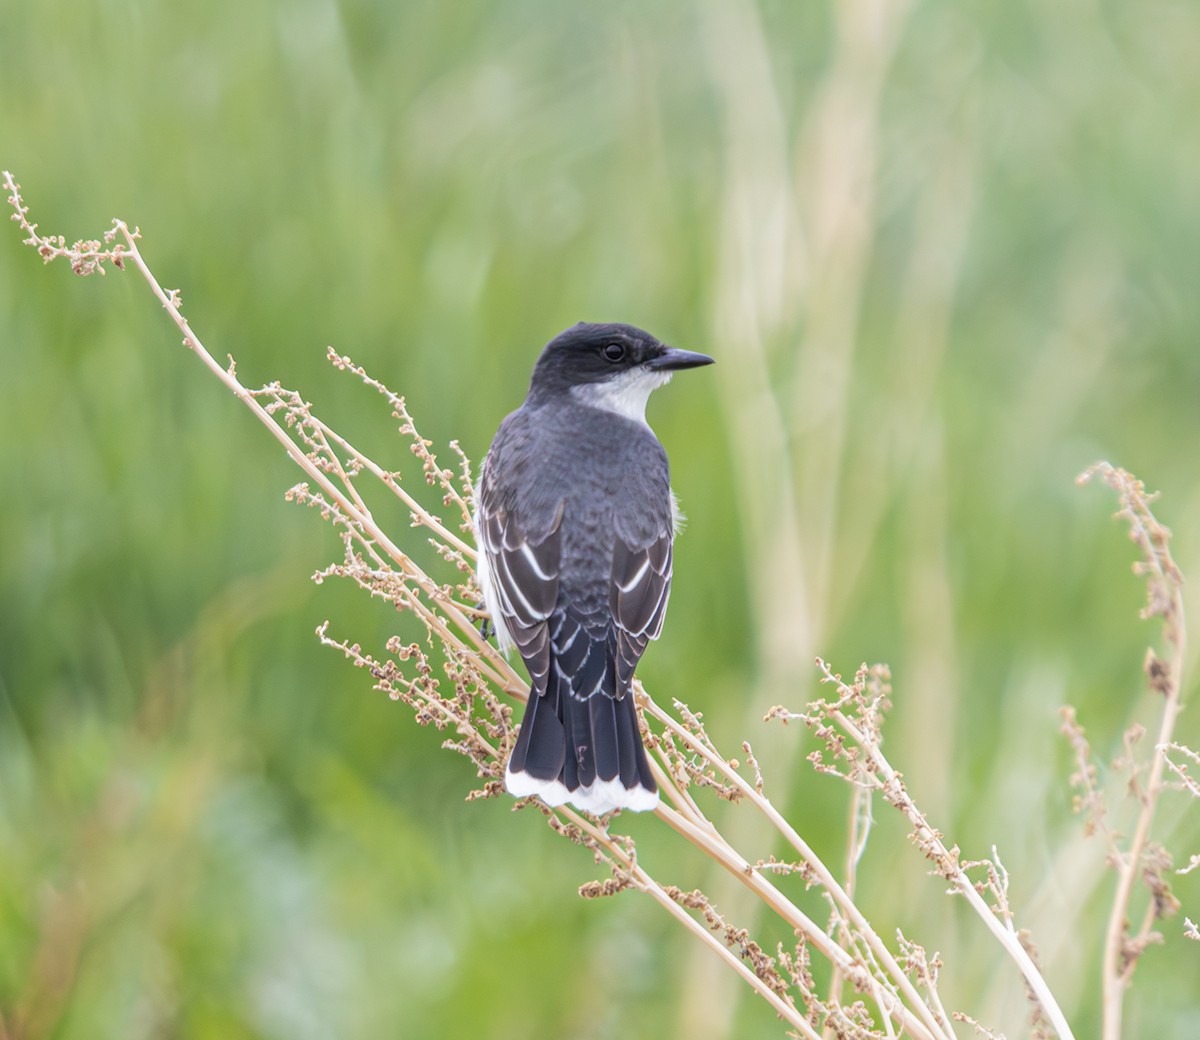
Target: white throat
625	394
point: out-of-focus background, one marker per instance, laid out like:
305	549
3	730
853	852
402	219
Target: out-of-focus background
946	256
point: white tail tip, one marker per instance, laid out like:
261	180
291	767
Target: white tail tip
601	797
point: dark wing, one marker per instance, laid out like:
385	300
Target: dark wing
521	576
641	582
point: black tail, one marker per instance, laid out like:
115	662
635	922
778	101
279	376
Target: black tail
579	740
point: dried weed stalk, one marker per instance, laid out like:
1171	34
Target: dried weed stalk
458	683
1145	769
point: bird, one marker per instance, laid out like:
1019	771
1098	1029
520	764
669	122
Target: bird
575	522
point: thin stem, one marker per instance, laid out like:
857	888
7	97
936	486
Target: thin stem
645	883
856	843
859	956
831	950
1118	965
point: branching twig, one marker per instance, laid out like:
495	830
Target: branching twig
850	727
464	704
1142	858
454	680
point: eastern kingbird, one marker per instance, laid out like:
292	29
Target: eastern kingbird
575	522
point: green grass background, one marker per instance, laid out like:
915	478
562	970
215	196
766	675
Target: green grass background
946	256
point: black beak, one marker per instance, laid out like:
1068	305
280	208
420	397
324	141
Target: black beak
672	359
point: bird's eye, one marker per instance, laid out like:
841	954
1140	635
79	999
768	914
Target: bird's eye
613	352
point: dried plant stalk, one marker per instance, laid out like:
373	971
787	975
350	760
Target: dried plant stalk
457	682
1140	858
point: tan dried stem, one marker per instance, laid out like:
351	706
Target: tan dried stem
849	727
378	565
1164	600
902	986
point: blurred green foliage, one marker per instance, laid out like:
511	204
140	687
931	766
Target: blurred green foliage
209	827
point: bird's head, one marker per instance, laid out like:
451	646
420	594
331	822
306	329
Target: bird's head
609	366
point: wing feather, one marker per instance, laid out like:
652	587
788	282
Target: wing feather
520	577
638	592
